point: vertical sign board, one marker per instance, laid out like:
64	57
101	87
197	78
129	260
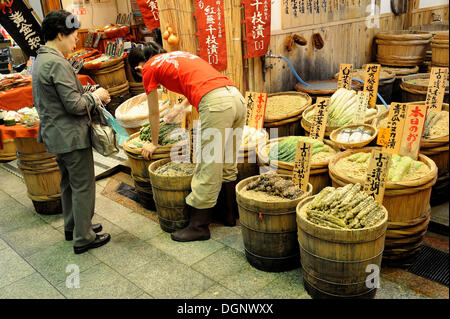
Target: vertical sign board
256	108
413	130
396	123
320	119
20	22
376	177
257	26
371	83
345	76
150	13
302	165
360	114
436	89
211	32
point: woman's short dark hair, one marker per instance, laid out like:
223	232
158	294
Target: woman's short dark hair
59	21
138	55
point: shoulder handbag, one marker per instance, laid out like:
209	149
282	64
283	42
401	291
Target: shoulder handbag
103	137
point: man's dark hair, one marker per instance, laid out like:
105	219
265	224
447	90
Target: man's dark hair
59	21
138	55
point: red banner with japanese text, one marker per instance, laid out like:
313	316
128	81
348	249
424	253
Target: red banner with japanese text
150	13
211	32
257	26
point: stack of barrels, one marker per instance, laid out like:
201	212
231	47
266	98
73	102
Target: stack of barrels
439	49
408	205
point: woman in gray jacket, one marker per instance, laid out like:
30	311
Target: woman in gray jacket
61	104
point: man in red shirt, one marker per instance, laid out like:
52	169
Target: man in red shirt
221	109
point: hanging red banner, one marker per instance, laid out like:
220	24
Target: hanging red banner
257	26
150	13
211	32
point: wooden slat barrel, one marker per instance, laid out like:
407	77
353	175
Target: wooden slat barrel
139	170
399	73
269	230
336	263
8	153
439	49
318	177
417	92
406	202
169	193
247	160
289	124
111	76
41	175
402	48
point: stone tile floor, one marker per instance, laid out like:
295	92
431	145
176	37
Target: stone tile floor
141	261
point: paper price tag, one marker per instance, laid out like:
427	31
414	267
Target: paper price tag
256	108
396	123
384	134
302	165
413	129
376	176
360	113
345	76
436	89
371	83
320	118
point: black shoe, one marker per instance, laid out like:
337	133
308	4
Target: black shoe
95	227
99	241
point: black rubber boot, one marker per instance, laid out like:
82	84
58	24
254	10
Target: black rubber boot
198	228
226	211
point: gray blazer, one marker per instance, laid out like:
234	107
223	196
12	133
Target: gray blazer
60	102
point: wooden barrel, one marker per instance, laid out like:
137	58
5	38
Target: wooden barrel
136	88
439	49
41	175
318	177
288	124
169	193
8	153
417	92
247	162
336	263
269	230
306	124
323	88
111	76
399	73
139	171
407	202
402	48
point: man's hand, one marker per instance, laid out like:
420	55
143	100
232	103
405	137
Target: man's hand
148	150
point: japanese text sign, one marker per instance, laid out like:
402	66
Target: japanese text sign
376	175
396	123
20	22
436	89
345	76
150	13
360	114
412	132
320	119
211	32
371	83
302	165
256	109
257	26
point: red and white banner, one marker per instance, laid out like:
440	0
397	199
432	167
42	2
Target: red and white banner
211	32
257	26
150	13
